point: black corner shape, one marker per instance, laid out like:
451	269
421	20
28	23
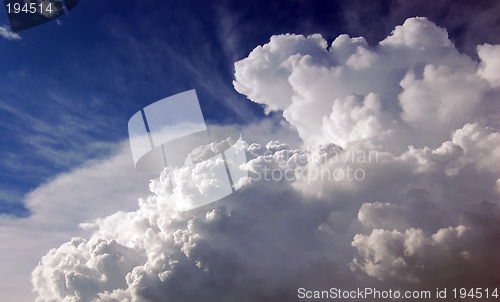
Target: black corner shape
25	14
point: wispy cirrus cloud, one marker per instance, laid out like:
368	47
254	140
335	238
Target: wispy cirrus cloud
7	34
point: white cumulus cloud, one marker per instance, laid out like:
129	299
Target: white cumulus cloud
395	185
413	83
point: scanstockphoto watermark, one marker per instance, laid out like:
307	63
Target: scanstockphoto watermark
335	165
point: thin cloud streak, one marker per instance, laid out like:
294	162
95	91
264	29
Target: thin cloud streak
7	34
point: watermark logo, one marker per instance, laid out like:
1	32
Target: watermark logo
332	164
25	14
204	162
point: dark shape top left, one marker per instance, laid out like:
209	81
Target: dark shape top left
25	14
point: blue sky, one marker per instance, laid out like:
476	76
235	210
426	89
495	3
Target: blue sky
69	89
